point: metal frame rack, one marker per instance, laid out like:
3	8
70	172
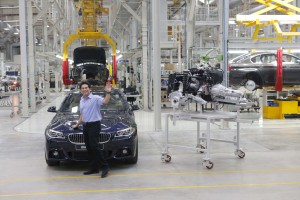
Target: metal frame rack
204	140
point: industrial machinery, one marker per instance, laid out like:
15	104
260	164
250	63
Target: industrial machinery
202	85
89	33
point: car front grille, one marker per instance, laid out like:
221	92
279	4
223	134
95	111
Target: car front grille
78	138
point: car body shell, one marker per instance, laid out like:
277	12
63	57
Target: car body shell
261	68
71	145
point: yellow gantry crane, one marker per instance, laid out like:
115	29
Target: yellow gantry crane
90	33
287	15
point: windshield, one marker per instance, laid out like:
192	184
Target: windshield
71	103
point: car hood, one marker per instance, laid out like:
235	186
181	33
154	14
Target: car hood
111	122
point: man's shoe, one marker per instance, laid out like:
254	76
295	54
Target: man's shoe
104	172
91	172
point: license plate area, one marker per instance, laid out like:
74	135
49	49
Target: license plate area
80	147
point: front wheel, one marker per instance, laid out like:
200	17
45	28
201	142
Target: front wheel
250	85
252	81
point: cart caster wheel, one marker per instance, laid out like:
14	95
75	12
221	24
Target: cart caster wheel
12	115
208	164
201	147
240	153
166	158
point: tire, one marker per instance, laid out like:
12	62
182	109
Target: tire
134	159
51	163
256	78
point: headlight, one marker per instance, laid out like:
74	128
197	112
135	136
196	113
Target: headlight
55	134
125	132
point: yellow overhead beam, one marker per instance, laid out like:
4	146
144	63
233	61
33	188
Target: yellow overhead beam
271	6
284	3
88	35
259	19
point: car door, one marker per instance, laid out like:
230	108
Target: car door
268	68
291	69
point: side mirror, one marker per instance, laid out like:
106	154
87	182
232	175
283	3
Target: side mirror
52	109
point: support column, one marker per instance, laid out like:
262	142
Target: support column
163	20
23	46
190	26
225	20
134	31
61	49
144	74
54	18
47	80
179	39
156	64
2	64
56	81
46	63
31	62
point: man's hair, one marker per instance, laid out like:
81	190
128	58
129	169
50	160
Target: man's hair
84	83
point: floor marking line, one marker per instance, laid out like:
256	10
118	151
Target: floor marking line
151	188
152	174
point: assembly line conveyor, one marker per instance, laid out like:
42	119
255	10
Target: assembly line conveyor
204	140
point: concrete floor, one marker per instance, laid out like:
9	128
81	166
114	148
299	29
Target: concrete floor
270	170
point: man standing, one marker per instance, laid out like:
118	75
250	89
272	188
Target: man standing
90	118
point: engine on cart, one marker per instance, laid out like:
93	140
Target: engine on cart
201	85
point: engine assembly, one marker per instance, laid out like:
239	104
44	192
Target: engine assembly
202	85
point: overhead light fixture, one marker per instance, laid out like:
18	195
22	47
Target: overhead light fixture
59	56
7	26
119	56
237	51
231	22
16	31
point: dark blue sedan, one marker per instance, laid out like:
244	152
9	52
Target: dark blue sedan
118	135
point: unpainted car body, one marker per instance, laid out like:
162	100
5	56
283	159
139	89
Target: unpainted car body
118	135
260	67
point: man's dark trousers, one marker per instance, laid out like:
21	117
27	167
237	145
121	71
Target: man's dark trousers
91	132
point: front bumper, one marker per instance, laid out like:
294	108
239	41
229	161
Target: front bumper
63	150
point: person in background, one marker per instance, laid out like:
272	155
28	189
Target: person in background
90	118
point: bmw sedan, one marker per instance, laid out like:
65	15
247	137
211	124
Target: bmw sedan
118	136
256	70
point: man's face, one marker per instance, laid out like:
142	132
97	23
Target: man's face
85	90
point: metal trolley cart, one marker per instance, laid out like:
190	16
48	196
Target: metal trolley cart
204	140
10	100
